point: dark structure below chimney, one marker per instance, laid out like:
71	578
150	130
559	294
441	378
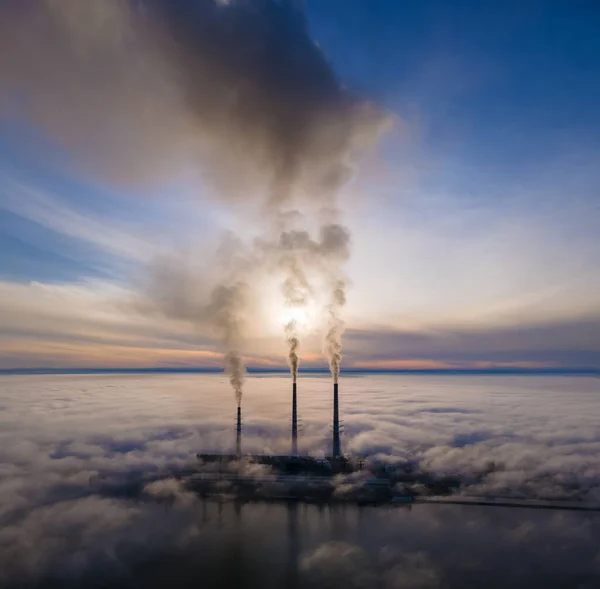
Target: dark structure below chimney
294	421
238	433
336	449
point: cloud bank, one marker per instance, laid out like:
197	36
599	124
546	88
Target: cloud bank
89	497
221	86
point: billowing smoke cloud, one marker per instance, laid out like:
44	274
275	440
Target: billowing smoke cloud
293	341
238	91
222	314
335	329
215	298
296	253
266	96
224	310
87	75
335	243
136	89
296	291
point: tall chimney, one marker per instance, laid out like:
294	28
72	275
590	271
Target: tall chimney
238	433
294	421
337	449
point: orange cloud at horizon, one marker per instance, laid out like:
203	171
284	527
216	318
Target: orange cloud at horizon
44	353
26	353
402	364
51	354
514	364
424	364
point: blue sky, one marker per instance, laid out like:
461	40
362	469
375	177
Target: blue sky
475	222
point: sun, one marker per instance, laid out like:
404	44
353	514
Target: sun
276	311
299	315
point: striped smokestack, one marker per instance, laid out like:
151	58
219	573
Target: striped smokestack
238	433
294	421
336	449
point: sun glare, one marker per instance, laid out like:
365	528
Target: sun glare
298	314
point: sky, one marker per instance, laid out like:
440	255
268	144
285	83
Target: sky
474	218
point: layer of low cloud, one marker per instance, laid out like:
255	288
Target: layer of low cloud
89	489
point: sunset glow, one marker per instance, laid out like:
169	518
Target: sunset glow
145	224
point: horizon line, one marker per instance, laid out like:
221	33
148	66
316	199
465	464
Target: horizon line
261	370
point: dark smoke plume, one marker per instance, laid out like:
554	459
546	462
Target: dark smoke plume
224	310
293	341
296	291
327	256
295	252
335	243
265	94
335	329
139	90
214	302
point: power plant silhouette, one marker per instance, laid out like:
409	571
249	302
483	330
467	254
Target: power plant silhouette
336	446
295	418
294	477
238	432
333	463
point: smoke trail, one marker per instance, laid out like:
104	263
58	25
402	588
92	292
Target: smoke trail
335	248
267	97
215	298
238	90
234	367
295	252
137	89
335	328
224	310
296	291
293	341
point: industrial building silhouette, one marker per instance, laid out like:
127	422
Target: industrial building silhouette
335	462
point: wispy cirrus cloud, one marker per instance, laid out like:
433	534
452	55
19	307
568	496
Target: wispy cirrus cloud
107	234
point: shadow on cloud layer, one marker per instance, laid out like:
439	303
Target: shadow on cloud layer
88	494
